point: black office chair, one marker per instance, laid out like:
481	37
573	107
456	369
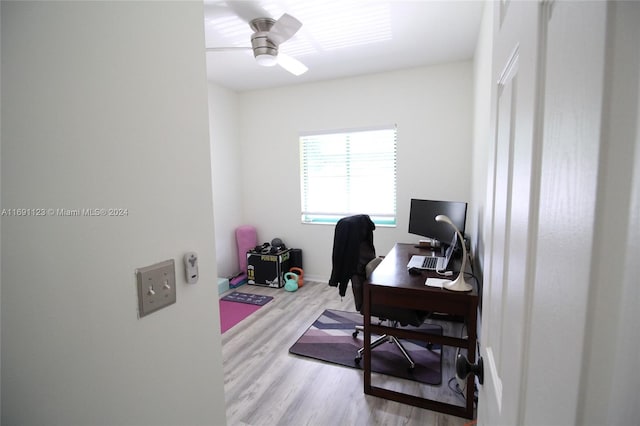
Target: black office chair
354	258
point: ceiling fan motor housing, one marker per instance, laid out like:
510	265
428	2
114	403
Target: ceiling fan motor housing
260	41
262	45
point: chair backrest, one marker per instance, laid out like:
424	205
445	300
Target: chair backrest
358	280
354	258
352	249
373	264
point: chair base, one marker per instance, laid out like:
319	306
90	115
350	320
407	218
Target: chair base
380	340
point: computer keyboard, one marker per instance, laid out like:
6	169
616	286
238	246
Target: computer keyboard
430	262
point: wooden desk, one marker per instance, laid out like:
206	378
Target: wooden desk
391	284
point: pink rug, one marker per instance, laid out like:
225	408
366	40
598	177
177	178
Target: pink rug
232	313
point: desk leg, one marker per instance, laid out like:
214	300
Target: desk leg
470	344
367	339
471	355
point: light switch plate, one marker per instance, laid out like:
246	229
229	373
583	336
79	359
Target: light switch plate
156	287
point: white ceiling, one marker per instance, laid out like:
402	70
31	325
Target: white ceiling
340	38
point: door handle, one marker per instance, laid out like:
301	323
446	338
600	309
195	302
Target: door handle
464	368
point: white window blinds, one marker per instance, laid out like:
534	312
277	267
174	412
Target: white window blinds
349	172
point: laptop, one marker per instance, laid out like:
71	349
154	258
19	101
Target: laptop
434	263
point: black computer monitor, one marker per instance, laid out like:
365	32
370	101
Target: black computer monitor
422	218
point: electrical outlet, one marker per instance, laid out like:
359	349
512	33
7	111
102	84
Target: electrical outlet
156	287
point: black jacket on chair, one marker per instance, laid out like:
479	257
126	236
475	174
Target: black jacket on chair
352	249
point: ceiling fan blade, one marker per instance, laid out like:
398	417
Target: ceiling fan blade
215	8
228	48
284	29
247	10
291	64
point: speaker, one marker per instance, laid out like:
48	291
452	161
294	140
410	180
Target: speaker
295	258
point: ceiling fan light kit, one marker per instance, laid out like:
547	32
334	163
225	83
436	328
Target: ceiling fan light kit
266	59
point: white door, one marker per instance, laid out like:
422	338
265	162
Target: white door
511	209
571	172
548	60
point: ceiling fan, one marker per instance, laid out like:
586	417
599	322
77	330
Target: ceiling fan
268	35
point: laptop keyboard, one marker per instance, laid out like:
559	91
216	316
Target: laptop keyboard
430	262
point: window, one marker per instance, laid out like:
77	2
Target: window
349	172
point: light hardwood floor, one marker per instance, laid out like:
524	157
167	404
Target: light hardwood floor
267	386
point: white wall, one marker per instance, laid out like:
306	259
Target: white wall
432	107
0	225
481	136
104	105
228	175
0	228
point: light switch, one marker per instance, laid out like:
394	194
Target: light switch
156	287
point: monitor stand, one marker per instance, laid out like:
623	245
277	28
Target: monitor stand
428	243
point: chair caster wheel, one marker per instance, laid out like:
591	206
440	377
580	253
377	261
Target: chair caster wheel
429	345
357	360
411	368
355	333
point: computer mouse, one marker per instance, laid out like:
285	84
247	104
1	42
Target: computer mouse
414	271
